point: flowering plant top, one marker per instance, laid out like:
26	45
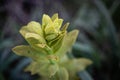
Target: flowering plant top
48	46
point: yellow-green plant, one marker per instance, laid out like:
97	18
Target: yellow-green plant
48	47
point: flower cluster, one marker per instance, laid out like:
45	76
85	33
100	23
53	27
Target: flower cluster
48	45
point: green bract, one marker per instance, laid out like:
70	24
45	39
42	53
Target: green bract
48	45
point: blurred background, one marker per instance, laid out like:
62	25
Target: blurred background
98	40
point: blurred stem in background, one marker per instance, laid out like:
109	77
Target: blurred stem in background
110	27
114	7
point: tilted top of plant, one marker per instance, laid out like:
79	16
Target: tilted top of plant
48	46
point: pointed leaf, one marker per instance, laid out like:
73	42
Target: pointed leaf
28	51
82	63
45	21
62	74
65	26
75	65
68	41
55	16
24	30
57	23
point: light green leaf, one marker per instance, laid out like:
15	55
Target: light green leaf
52	69
32	68
55	16
57	23
68	41
52	42
51	37
65	26
62	74
35	67
82	63
50	30
28	51
43	68
36	41
40	47
33	38
75	65
46	20
35	27
56	44
32	27
24	30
